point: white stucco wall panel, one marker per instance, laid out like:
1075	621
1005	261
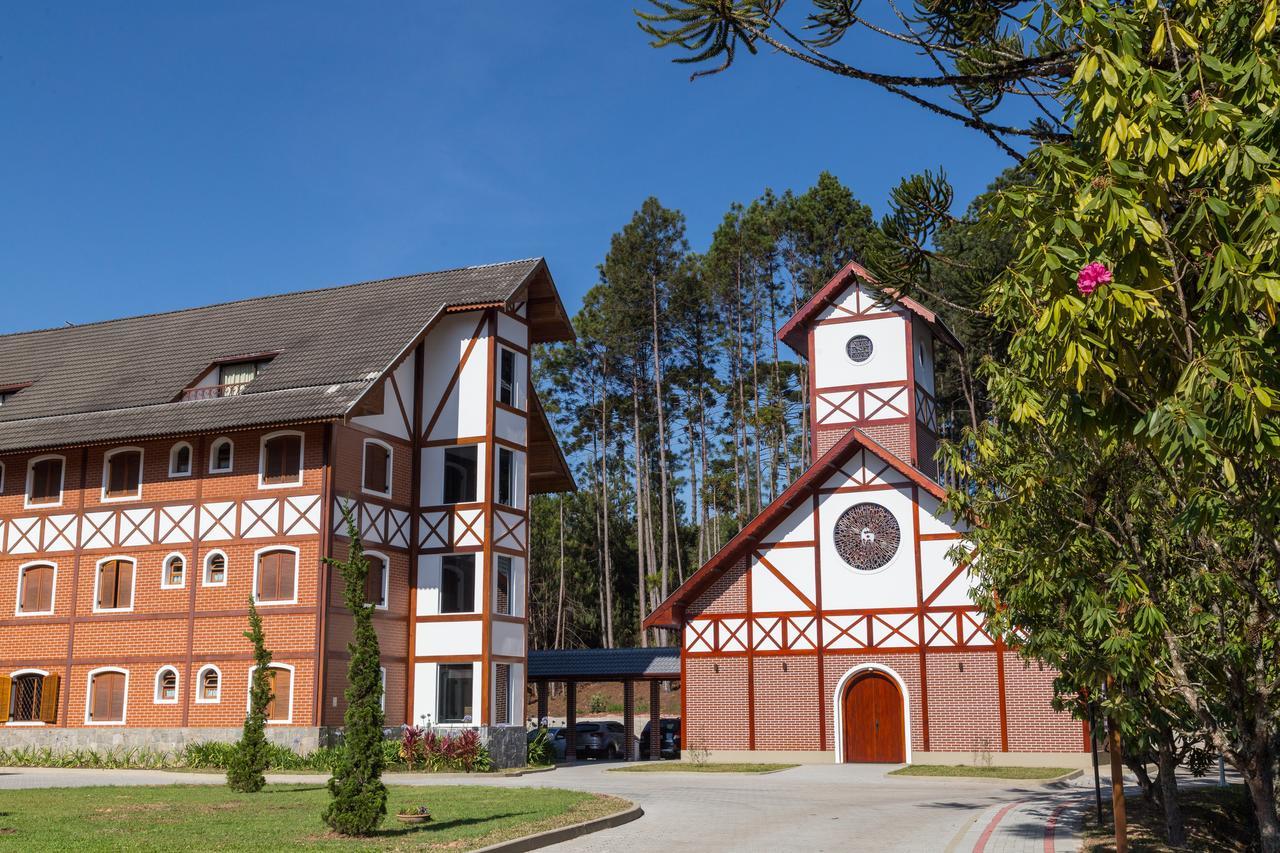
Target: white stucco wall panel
894	584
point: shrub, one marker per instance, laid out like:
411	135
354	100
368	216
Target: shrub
249	761
540	752
599	704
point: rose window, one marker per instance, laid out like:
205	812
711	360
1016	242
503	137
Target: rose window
867	536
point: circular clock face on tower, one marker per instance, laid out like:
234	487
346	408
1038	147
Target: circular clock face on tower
867	536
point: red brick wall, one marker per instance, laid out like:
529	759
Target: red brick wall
715	703
964	707
728	594
1033	726
896	438
786	696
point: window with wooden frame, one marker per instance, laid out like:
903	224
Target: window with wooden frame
122	474
44	481
108	690
29	697
215	569
506	476
276	581
114	585
377	468
174	573
36	584
458	583
166	686
502	585
507	377
180	460
460	466
221	456
208	685
281	463
375	583
454	692
280	708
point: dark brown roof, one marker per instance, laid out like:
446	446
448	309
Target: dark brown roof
670	612
655	663
118	379
793	332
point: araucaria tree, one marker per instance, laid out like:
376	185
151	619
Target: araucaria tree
359	799
248	764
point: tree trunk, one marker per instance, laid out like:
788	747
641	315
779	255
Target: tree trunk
604	501
642	586
1174	831
664	566
1117	789
560	596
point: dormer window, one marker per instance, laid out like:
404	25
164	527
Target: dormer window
232	377
227	378
7	392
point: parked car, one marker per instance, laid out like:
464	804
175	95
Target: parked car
594	740
557	746
669	739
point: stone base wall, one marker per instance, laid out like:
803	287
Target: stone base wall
508	746
301	739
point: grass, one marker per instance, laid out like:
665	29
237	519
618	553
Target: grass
982	772
1217	819
690	767
182	817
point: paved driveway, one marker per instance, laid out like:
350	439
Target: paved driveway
809	808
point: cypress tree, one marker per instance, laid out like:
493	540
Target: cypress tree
245	772
358	798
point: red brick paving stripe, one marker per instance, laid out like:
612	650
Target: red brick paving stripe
991	827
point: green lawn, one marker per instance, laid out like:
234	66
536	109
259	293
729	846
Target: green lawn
689	767
205	817
982	772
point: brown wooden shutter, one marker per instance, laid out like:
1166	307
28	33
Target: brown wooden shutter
291	465
281	688
270	710
117	696
286	571
101	702
124	584
267	577
6	689
46	480
375	468
107	585
49	699
44	598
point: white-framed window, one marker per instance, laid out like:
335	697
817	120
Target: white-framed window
45	476
122	474
503	576
458	583
222	456
33	698
280	708
113	585
166	686
375	473
208	685
461	467
280	460
382	683
173	571
106	696
508	379
375	585
275	575
215	568
180	460
37	589
506	475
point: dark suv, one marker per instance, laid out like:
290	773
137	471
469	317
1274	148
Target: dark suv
668	739
595	740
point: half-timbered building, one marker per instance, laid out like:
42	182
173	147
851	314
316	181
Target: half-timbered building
157	472
837	621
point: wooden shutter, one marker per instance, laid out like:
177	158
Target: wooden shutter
49	699
373	581
291	465
104	701
286	568
281	688
107	585
375	468
124	584
116	683
6	689
46	480
267	577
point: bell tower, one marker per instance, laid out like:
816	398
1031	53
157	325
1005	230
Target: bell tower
871	367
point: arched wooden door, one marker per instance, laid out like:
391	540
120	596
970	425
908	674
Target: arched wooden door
873	729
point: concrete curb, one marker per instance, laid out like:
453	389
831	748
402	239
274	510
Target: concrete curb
564	833
1044	783
711	773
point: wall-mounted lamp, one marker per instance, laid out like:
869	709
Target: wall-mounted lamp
784	666
716	667
962	666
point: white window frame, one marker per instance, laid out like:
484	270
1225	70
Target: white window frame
386	577
517	386
200	700
106	467
191	459
297	571
477	603
97	578
391	457
53	596
177	686
204	572
88	697
29	671
164	570
248	699
382	680
213	455
262	459
62	482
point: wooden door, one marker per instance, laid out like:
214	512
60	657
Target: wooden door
873	730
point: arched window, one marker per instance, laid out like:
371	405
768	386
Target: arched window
114	585
166	686
280	676
276	577
36	589
107	697
174	574
122	474
221	456
215	569
180	460
281	463
376	478
208	685
44	481
375	584
33	698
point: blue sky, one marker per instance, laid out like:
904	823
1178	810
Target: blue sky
159	155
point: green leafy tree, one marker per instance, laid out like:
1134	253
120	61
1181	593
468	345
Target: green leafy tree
249	760
358	797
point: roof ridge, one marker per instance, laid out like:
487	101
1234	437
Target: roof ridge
264	298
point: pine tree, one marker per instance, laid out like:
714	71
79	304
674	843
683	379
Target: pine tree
245	772
359	799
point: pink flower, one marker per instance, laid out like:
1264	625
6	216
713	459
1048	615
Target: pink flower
1092	275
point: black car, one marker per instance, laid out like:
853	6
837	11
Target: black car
668	739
